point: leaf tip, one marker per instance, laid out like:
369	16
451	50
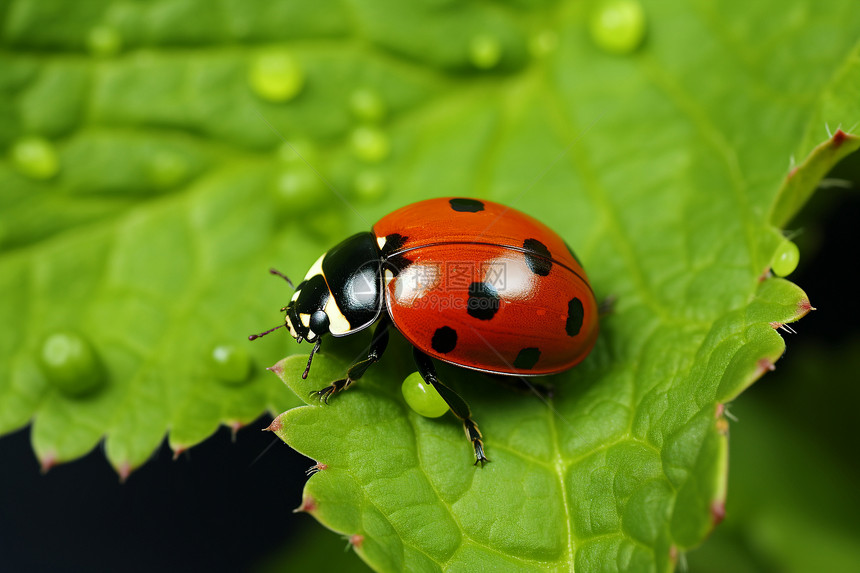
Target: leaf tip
722	423
309	505
123	471
235	426
838	138
276	425
318	467
356	540
277	368
782	326
803	307
718	511
46	462
762	366
178	450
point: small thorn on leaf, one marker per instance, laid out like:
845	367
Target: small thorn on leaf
47	462
124	470
178	451
235	426
316	468
792	172
782	326
719	411
766	274
356	540
764	365
277	368
673	554
308	505
276	425
718	511
839	138
804	306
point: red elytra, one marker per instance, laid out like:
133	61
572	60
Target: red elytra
506	290
469	282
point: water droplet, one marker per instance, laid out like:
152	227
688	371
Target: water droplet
370	185
232	364
70	363
299	188
168	169
298	152
370	144
485	51
104	41
276	76
422	397
785	259
327	224
543	43
618	26
367	105
35	157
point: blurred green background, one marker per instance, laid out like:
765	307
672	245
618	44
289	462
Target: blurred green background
122	111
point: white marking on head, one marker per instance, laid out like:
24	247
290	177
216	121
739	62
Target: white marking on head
380	241
305	318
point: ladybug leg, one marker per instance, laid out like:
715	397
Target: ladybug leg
428	372
357	370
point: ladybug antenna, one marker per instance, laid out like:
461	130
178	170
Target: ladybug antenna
256	336
278	273
316	349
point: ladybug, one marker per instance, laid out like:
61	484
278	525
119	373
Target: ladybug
465	281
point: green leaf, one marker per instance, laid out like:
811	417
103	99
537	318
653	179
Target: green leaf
792	525
170	193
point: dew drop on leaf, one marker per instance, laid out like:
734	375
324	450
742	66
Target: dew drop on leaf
327	224
299	152
299	188
104	41
370	144
70	363
785	259
367	105
485	51
35	157
422	397
543	43
232	364
168	169
617	26
276	76
370	185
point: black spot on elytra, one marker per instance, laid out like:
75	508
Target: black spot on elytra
572	254
537	257
527	358
466	205
444	340
483	301
575	314
392	261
